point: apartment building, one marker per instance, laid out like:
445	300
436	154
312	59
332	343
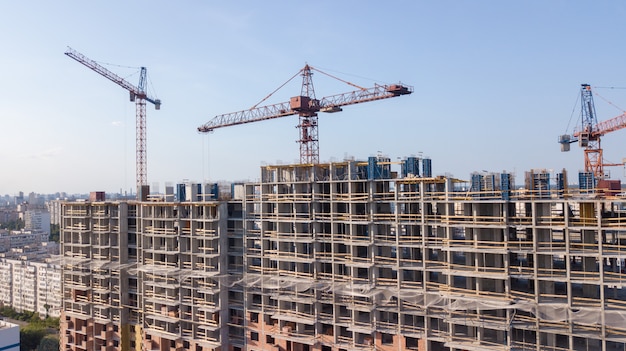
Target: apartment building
6	283
48	300
37	220
143	276
351	255
54	208
24	286
31	286
11	239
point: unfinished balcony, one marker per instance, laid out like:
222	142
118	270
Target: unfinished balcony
488	340
412	325
411	279
102	313
199	228
296	294
294	332
351	300
359	256
386	277
411	235
77	309
161	326
386	255
491	319
362	322
295	312
384	234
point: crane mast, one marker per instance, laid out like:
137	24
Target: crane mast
139	96
307	106
588	136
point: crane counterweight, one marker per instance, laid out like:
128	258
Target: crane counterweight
398	89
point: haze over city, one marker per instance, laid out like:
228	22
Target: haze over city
495	83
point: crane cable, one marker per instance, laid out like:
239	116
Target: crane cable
295	75
148	81
339	79
612	104
601	97
609	102
572	114
151	87
277	89
102	63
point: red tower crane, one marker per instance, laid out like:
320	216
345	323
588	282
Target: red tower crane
306	106
139	96
589	133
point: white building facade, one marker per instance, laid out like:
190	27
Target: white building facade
36	220
48	299
31	286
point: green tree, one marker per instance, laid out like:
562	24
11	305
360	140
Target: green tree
34	318
13	225
30	337
55	233
49	343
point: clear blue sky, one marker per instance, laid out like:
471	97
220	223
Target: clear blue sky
495	83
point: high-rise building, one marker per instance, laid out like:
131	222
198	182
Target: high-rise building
54	208
350	255
49	300
23	292
37	220
143	276
31	286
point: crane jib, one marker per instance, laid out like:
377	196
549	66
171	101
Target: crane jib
138	95
306	106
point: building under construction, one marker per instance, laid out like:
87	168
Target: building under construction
352	255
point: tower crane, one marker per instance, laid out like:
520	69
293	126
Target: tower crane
306	106
139	96
589	133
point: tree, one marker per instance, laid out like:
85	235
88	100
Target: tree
55	232
13	225
30	337
49	343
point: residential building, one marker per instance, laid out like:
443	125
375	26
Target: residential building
54	208
31	286
37	220
24	286
351	255
6	283
143	275
48	300
20	238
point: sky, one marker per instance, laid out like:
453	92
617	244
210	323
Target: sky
495	84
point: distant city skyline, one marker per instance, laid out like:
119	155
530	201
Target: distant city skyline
495	84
